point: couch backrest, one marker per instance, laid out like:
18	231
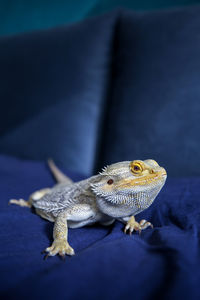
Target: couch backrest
52	87
153	109
118	87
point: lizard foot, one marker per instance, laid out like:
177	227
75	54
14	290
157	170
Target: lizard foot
133	225
60	247
20	202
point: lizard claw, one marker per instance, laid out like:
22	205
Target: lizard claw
132	225
46	256
60	247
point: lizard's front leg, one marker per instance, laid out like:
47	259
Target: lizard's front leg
60	244
133	225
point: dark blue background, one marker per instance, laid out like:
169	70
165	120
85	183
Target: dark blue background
117	87
121	86
153	109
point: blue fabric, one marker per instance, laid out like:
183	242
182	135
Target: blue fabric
138	76
52	87
162	263
153	107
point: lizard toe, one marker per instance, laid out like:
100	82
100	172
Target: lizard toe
70	250
20	202
144	224
60	247
132	226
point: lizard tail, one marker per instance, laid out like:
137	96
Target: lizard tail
58	175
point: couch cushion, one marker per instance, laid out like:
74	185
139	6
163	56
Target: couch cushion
52	84
154	104
161	263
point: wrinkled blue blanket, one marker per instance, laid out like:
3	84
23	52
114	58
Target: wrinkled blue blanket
162	263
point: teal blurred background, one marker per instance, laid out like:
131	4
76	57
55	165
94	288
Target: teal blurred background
21	15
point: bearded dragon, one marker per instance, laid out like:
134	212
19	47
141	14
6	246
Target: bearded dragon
119	192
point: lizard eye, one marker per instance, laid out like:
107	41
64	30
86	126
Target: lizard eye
110	181
136	167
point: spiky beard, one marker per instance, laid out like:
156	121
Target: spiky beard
139	199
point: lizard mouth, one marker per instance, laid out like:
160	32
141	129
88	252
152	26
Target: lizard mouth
163	172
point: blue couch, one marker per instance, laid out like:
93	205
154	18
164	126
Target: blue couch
121	86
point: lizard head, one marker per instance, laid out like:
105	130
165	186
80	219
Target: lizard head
131	183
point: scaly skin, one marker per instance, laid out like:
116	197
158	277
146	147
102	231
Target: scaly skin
119	192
